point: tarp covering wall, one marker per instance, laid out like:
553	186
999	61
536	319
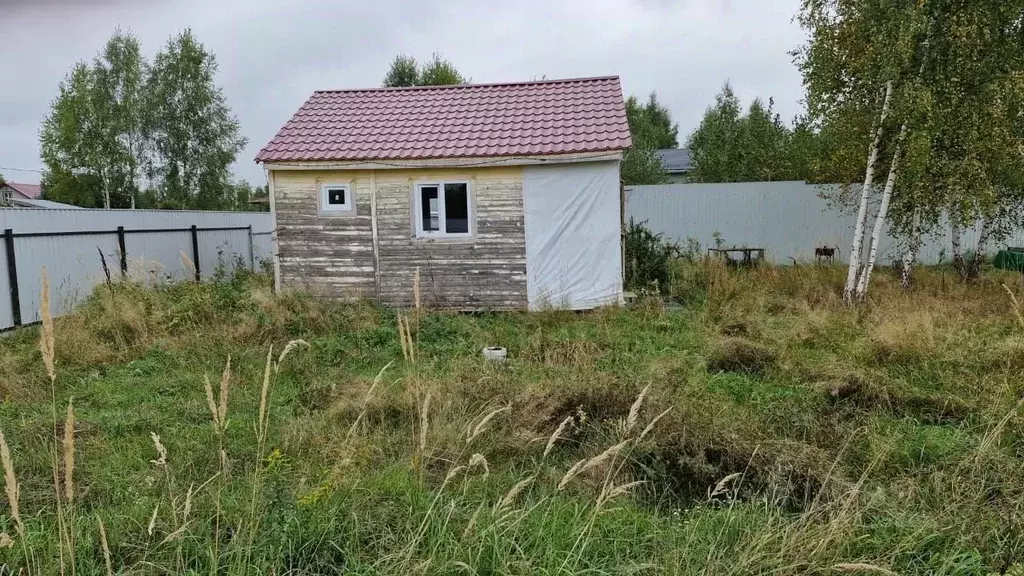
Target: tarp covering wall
573	250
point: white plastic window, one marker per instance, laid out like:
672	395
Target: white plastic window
443	209
336	199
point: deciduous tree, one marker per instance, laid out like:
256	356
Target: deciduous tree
404	72
118	74
862	71
195	135
939	110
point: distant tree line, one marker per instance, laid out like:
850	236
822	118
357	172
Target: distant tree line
125	133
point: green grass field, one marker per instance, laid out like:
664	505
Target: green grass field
761	427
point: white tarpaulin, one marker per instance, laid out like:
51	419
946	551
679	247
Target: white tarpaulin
573	255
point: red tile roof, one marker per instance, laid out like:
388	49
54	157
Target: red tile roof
28	190
475	120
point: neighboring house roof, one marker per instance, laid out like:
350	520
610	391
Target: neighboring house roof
47	204
26	190
675	160
517	119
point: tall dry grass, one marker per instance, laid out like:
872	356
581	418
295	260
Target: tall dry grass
558	464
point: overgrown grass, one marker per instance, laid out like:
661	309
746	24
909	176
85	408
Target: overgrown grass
761	427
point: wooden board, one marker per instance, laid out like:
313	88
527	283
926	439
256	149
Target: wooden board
358	255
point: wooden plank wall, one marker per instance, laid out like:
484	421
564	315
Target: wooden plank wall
334	256
486	272
328	256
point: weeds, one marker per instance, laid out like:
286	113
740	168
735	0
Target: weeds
761	428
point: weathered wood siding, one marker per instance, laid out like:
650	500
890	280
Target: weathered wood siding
487	271
334	256
327	255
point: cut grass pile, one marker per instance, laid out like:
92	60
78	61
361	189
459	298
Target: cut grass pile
761	428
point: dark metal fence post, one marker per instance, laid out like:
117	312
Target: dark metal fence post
195	251
252	252
12	277
121	249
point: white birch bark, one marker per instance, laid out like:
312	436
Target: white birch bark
910	253
883	209
106	189
956	233
979	252
862	213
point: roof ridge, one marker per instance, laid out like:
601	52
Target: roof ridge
482	85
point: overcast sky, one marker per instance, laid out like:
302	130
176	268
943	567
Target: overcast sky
274	53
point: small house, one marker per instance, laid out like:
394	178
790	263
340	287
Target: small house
503	196
11	191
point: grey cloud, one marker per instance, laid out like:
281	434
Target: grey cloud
273	54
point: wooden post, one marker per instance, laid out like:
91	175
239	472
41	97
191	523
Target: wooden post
124	253
252	251
195	252
12	277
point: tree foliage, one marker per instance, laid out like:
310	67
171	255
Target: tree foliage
730	146
650	123
406	72
122	133
951	73
651	128
195	135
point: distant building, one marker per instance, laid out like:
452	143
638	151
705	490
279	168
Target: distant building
676	162
11	191
44	204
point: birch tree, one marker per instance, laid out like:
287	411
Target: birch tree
862	72
980	138
195	135
948	129
94	131
119	105
69	142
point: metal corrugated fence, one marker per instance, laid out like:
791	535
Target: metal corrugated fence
158	246
788	219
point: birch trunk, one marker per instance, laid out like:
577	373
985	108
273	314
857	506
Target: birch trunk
106	189
956	233
883	209
974	270
865	192
910	254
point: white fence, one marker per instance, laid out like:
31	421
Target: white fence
788	219
155	245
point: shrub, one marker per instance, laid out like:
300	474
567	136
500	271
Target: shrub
648	259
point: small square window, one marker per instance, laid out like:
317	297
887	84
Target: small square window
335	198
443	209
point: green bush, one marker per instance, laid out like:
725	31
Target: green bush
648	259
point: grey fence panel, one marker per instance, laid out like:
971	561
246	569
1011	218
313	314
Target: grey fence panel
263	244
223	249
74	265
788	219
6	315
159	256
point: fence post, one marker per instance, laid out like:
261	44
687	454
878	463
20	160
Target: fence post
12	277
121	249
195	251
252	251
